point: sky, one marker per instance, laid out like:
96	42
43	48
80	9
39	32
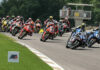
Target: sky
0	0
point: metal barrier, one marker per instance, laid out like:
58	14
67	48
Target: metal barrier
76	14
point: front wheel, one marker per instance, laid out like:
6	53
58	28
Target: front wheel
21	36
91	42
44	37
14	31
72	45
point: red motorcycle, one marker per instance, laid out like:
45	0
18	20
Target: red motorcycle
26	30
48	33
65	27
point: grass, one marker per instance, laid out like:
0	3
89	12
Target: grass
27	60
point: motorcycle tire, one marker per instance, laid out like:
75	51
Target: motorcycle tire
74	46
68	41
23	35
45	38
91	42
15	31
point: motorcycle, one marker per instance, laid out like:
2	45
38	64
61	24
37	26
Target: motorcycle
11	26
16	28
48	33
76	39
65	27
94	38
26	30
38	27
60	30
4	26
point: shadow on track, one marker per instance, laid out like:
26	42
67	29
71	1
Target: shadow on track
94	47
55	41
26	39
82	49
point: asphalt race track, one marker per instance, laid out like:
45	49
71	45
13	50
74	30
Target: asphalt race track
80	59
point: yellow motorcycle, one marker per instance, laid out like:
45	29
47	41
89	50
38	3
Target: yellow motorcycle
4	26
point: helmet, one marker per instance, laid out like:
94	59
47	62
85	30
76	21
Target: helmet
21	18
13	16
18	16
51	17
7	16
60	20
30	18
4	18
38	19
83	24
66	18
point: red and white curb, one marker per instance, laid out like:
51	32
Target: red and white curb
43	57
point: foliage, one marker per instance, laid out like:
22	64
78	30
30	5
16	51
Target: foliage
44	8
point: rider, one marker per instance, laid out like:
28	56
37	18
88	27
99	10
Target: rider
37	23
66	21
83	29
29	21
54	23
12	18
60	24
4	23
50	19
22	20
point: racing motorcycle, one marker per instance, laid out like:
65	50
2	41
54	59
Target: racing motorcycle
76	39
38	27
94	37
60	30
4	26
48	32
11	26
26	30
65	27
16	28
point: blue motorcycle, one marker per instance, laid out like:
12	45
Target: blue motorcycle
94	38
76	39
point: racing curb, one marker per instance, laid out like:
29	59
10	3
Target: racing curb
43	57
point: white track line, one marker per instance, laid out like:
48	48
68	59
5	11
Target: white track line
43	57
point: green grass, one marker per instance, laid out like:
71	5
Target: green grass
27	60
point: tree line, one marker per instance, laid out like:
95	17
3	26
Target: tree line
44	8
